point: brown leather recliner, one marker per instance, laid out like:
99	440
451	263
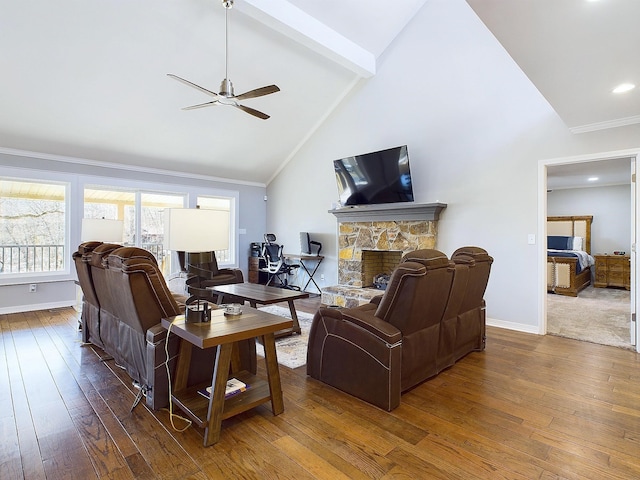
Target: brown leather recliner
143	300
431	315
375	352
90	316
471	319
106	336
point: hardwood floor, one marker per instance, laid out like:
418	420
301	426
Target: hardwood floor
528	407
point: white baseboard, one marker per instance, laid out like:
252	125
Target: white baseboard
38	306
519	327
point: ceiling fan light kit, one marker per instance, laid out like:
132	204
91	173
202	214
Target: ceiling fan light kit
226	95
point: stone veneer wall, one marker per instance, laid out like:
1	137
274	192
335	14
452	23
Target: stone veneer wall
402	235
354	237
399	227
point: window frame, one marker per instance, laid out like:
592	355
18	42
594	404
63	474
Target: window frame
74	211
44	176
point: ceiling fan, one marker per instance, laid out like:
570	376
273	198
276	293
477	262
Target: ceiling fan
226	96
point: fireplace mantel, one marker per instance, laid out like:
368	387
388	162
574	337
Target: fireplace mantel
389	212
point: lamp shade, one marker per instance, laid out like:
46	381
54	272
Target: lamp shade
102	230
196	230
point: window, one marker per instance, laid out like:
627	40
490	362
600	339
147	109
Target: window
112	205
152	223
33	230
108	203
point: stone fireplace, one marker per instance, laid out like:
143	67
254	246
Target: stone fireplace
372	240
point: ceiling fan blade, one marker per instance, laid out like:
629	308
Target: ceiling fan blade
258	92
201	105
191	84
252	111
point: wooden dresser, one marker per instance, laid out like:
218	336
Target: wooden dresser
612	271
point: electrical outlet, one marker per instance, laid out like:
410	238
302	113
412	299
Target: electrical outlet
32	288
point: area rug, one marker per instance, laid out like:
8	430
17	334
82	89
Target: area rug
291	350
597	315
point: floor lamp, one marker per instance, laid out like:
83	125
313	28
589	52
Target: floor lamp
198	233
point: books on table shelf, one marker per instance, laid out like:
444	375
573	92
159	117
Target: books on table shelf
234	386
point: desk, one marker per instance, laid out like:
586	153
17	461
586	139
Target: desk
307	258
224	331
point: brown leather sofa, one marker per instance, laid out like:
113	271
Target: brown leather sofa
471	319
90	317
105	332
427	319
133	298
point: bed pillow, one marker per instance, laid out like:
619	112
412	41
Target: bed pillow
558	242
577	243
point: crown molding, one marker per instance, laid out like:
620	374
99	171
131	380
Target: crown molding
123	167
592	127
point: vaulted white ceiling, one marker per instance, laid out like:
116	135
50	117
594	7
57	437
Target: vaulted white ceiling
89	79
575	52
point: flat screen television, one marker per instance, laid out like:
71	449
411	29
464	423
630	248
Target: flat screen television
373	178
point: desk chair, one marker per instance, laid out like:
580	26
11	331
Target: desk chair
276	266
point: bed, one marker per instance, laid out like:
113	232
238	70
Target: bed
569	259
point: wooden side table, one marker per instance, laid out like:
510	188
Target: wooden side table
224	331
612	271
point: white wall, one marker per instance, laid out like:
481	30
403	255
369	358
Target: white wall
611	210
476	129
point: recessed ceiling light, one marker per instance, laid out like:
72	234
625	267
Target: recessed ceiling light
624	87
593	179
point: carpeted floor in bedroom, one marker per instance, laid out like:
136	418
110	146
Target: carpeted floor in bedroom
597	315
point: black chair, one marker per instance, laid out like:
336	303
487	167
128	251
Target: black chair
275	264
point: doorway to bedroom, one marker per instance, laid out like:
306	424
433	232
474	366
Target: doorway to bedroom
602	188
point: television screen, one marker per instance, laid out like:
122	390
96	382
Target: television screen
376	177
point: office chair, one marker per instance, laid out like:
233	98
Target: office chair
276	266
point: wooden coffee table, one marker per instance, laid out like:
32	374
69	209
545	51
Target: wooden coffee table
264	295
224	331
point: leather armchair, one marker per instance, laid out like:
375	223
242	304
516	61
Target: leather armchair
378	350
202	271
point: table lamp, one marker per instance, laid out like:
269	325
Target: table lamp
102	230
198	233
